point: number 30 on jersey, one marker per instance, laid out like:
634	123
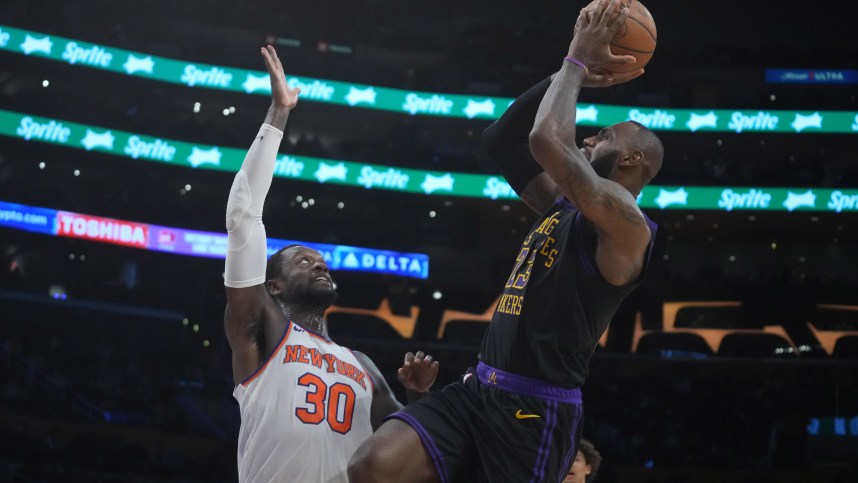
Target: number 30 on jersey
334	404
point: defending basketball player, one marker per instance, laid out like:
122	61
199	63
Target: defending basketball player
586	464
306	403
517	416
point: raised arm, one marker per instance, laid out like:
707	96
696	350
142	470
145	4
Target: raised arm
506	142
622	228
244	277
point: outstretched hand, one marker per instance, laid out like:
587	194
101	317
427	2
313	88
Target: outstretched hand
281	94
594	30
418	372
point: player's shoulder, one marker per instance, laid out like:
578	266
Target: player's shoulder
361	357
367	363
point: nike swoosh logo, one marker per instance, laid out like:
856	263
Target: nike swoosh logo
520	415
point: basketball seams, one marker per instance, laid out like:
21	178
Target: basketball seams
643	27
617	40
635	67
631	49
631	40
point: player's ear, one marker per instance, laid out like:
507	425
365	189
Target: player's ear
273	286
631	159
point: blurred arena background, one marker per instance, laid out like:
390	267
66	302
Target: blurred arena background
121	124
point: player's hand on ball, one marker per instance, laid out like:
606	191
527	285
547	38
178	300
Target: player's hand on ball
594	31
609	79
418	372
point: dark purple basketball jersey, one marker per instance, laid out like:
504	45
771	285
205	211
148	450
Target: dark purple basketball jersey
555	305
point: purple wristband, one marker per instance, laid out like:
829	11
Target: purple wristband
576	62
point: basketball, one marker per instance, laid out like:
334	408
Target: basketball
637	37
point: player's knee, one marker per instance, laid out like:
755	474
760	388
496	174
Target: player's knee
365	465
372	462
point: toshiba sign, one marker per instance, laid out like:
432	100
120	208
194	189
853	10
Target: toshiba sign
102	229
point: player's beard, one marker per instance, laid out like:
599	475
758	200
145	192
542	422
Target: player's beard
310	296
604	163
321	297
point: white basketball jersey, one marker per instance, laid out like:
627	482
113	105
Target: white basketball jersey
303	413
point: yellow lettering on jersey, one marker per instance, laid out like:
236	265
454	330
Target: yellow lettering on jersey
522	278
522	256
548	225
548	251
510	304
519	280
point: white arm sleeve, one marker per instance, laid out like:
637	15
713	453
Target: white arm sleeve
247	248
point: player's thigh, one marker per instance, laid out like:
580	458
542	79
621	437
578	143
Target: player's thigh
394	453
523	438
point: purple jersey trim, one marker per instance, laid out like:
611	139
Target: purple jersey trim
573	450
526	386
428	442
565	203
545	443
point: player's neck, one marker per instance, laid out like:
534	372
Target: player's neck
310	318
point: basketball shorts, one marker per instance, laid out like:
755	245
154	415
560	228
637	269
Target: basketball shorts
494	426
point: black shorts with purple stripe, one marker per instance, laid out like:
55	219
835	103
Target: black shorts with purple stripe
494	426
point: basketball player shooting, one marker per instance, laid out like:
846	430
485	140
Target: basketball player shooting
517	416
306	403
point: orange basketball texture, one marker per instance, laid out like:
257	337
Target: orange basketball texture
637	37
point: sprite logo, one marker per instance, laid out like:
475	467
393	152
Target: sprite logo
497	188
431	105
762	121
666	198
32	44
840	201
657	119
214	77
95	55
391	178
288	166
50	131
698	121
803	122
855	123
749	200
136	64
357	96
798	200
158	150
4	38
312	90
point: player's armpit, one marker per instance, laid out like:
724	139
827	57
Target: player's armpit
243	319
